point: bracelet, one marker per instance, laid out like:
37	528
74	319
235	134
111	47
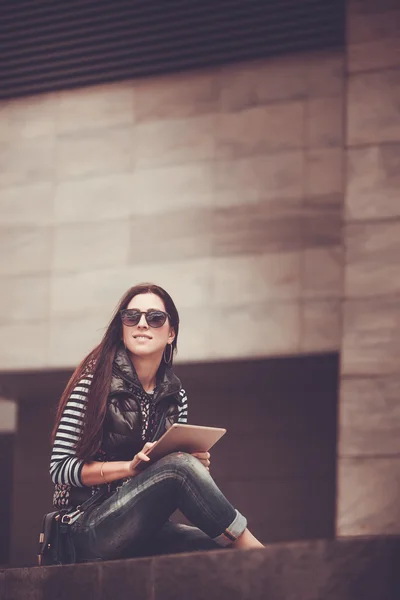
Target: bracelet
101	471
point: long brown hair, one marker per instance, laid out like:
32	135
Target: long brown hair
99	362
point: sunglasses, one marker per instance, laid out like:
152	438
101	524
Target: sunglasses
154	318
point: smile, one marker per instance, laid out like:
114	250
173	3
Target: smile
141	337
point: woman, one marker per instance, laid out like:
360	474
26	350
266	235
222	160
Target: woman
119	401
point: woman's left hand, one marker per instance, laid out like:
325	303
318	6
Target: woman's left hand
204	458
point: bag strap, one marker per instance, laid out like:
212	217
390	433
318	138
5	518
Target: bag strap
71	517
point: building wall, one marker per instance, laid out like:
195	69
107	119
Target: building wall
224	186
8	425
369	441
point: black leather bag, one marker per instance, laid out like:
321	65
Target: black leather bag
56	546
55	541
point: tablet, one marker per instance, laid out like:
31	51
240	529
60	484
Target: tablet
185	438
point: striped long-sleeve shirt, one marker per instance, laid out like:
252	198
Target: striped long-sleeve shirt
65	466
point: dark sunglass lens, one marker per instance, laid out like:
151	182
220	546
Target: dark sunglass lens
156	318
130	318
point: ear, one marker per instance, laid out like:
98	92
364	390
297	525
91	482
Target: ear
171	335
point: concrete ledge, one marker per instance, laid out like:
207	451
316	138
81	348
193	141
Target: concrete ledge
343	569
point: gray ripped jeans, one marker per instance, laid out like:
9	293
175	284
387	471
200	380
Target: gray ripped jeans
134	520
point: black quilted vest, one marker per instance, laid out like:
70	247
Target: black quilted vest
122	426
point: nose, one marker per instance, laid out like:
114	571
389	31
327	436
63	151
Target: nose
143	322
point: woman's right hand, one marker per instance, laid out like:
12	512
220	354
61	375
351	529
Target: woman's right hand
139	458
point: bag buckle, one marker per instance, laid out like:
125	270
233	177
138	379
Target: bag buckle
69	519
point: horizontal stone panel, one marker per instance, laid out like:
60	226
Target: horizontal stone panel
371	344
161	190
94	153
372	259
373	182
25	250
259	130
369	416
373	107
262	82
259	178
238	280
175	141
95	107
324	124
324	173
368	496
85	246
24	345
72	338
255	330
108	197
24	298
322	272
177	96
321	326
27	118
31	204
27	161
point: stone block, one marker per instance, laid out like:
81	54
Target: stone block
159	191
238	280
31	204
371	344
373	180
324	175
322	273
260	130
24	345
368	493
369	416
175	141
317	570
73	337
373	108
325	73
255	83
86	246
195	341
123	579
27	161
270	177
24	298
99	291
28	117
25	250
178	235
188	282
101	198
364	24
372	259
255	330
238	230
95	107
324	125
94	153
321	223
375	54
177	96
321	326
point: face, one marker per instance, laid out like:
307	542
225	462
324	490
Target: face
141	339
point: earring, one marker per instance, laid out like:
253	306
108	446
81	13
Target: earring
170	354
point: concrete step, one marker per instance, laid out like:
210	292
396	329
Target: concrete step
344	569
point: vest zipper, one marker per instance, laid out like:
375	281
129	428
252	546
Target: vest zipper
163	417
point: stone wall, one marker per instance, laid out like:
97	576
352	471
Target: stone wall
369	441
224	186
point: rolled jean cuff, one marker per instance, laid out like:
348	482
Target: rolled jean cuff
233	531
